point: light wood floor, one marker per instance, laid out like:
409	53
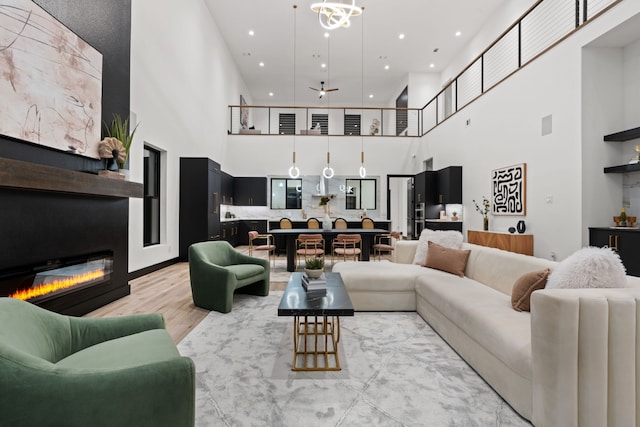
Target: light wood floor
168	291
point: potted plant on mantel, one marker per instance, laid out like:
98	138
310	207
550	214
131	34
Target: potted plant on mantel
314	267
119	129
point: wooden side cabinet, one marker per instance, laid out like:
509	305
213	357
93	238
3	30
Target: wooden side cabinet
518	243
625	241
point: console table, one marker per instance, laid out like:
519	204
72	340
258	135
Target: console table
519	243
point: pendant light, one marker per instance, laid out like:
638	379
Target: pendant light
328	172
294	172
363	171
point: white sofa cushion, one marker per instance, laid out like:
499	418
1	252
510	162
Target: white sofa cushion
589	268
447	238
499	269
484	314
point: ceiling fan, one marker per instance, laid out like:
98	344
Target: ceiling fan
322	90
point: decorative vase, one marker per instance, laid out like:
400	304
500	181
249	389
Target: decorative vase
314	274
512	230
126	173
326	222
521	227
485	224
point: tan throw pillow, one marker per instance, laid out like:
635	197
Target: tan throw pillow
446	259
524	287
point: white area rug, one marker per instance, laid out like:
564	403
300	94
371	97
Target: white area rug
396	372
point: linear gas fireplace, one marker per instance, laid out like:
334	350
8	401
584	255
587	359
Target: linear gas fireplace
56	278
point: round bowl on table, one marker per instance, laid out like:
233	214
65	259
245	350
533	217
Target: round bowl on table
314	274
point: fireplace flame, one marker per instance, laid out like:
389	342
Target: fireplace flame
58	284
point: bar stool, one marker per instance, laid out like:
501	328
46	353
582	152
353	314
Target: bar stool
267	246
313	223
385	243
309	246
340	224
347	246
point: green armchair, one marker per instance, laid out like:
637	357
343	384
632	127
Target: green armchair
217	270
64	371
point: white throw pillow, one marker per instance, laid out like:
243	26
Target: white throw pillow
448	238
589	268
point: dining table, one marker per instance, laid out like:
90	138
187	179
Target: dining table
291	235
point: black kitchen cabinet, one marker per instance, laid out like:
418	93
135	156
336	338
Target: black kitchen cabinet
248	225
226	189
250	191
199	202
420	187
229	231
444	225
449	185
625	241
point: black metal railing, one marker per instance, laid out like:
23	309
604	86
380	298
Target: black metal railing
539	29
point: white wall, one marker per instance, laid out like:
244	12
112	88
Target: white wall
631	71
505	129
182	79
602	113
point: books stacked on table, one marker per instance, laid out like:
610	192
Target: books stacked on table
314	284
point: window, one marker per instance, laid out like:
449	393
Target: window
151	196
287	124
323	119
286	193
352	124
361	193
402	116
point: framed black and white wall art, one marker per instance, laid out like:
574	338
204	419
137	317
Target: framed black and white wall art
51	81
509	190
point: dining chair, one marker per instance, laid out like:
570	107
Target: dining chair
313	223
347	246
267	246
368	223
385	243
340	224
309	246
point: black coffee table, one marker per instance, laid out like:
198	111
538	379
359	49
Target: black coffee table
316	322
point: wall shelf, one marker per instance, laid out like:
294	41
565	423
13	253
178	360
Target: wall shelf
632	167
625	135
18	174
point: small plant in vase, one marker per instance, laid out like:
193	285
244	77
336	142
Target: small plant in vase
314	267
119	129
484	211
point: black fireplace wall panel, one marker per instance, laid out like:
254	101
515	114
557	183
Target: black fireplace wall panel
36	226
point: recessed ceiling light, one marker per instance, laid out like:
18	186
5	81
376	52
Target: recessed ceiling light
371	96
251	32
386	67
458	33
326	35
401	36
432	65
323	65
261	64
270	93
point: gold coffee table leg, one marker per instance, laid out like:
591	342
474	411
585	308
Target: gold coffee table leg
317	350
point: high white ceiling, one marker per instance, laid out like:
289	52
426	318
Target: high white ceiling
426	24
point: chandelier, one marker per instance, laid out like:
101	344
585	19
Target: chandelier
332	15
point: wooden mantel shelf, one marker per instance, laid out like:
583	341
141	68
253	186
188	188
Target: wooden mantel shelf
32	176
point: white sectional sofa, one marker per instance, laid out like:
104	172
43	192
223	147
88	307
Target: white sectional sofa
572	361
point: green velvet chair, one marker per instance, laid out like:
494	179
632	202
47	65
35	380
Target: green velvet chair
58	370
217	270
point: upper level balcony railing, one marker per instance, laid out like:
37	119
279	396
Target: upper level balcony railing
334	121
539	29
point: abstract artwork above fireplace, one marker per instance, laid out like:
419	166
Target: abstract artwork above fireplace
50	83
